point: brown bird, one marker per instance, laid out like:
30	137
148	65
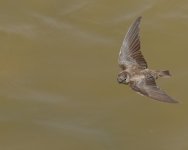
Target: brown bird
135	72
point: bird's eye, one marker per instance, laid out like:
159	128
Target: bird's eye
123	78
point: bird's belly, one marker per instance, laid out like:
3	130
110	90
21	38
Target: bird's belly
137	77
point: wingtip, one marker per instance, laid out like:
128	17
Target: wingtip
139	18
175	101
172	101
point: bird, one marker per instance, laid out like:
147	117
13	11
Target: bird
134	69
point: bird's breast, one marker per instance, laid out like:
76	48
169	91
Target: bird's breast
137	77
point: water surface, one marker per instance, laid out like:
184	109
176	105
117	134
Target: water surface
58	67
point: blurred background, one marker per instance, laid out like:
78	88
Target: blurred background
58	68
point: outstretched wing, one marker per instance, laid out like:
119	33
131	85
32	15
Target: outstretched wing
130	53
147	86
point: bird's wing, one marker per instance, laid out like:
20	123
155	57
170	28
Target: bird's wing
130	53
147	86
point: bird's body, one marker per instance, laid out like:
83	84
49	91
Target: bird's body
135	72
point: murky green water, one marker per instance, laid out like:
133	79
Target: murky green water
58	67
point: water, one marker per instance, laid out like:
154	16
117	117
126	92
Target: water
58	86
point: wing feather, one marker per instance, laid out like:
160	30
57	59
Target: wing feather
147	86
130	53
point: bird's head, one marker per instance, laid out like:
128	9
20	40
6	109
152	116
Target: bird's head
123	77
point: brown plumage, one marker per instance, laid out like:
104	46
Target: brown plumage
135	72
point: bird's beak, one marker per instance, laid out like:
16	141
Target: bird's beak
119	81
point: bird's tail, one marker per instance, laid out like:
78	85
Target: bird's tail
164	73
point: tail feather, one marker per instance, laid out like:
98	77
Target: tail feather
164	73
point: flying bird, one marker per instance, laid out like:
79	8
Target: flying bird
134	68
